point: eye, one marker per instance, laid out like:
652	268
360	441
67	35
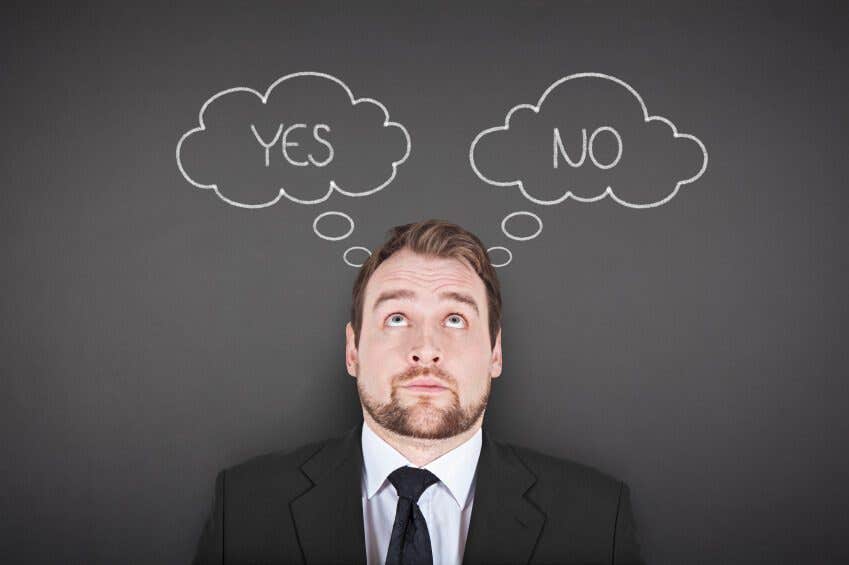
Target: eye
457	318
395	317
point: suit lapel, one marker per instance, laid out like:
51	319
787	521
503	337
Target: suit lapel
504	526
329	516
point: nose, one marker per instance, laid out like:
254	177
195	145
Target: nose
426	352
424	356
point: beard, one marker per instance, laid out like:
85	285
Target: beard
424	419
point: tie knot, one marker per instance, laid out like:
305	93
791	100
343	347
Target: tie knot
411	482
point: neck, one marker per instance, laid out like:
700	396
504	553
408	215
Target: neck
420	451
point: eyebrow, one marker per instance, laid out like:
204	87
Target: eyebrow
404	294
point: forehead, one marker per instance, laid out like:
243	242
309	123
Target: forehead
406	269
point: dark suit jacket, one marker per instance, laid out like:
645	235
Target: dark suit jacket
305	506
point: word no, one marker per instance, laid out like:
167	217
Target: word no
559	149
285	144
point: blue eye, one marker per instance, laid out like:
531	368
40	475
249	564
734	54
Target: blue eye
394	320
458	317
395	316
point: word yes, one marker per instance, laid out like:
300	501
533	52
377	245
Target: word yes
285	144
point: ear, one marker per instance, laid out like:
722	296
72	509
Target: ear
351	358
496	361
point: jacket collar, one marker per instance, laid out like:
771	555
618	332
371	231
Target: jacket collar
328	517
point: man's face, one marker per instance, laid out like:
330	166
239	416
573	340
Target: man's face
424	318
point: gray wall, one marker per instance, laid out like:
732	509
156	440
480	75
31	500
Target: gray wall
152	334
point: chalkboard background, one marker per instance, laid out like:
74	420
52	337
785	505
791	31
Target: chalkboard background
153	334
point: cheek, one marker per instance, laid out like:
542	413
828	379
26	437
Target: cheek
471	349
470	366
380	359
381	350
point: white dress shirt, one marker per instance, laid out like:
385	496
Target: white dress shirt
446	505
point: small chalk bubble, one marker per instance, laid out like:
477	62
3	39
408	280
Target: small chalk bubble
328	237
521	238
505	250
355	248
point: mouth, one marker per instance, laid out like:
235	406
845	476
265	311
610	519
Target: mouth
425	388
425	385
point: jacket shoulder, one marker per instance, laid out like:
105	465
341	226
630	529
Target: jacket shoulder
588	512
562	479
277	466
249	507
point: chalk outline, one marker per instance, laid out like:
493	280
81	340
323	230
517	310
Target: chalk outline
516	237
510	253
608	191
332	238
264	99
345	255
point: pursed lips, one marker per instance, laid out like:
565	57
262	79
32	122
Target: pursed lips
425	384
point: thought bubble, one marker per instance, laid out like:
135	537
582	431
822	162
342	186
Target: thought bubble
509	234
350	230
333	237
589	136
304	138
502	249
356	248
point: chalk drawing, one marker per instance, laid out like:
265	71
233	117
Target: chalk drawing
559	150
333	186
345	255
333	238
609	192
509	258
516	237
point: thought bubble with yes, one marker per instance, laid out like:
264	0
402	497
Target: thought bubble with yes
304	138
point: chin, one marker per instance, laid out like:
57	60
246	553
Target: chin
426	422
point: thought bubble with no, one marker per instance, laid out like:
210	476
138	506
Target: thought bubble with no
590	135
304	138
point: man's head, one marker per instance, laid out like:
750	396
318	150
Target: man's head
426	307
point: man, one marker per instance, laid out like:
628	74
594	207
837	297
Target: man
420	480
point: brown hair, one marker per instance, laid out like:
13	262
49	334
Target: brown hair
436	238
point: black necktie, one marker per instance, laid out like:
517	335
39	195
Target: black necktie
410	542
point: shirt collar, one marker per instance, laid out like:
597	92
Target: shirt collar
455	469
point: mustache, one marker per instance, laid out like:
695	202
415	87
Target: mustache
414	372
